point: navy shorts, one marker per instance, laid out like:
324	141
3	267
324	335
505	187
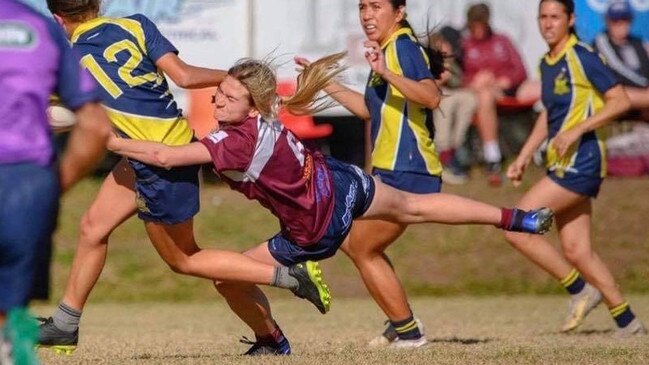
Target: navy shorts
29	194
166	196
411	182
353	194
578	183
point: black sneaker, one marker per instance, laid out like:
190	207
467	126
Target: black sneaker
260	348
311	285
61	342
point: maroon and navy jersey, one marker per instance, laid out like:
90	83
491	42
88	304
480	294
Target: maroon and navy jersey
267	163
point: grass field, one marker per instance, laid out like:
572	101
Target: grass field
481	301
431	259
462	330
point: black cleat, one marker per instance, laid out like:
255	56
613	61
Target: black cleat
268	346
60	342
311	285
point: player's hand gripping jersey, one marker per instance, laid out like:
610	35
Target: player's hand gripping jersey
121	54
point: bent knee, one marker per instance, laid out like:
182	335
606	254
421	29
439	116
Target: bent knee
575	254
179	265
91	231
360	253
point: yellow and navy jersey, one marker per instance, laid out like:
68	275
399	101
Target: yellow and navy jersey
573	85
402	130
121	54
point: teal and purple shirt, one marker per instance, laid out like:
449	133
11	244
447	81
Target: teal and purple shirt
37	61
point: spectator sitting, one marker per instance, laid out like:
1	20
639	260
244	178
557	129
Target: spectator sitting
627	56
454	115
493	69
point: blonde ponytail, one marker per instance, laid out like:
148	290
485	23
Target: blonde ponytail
259	79
310	82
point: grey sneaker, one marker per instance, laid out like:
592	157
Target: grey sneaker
580	305
311	285
635	328
409	344
389	335
60	342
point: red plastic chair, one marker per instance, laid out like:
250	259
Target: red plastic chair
510	104
302	126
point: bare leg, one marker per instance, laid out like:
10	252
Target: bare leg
114	204
574	230
487	117
247	301
365	246
407	208
537	248
177	247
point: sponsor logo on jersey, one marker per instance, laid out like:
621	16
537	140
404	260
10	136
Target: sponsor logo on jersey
217	137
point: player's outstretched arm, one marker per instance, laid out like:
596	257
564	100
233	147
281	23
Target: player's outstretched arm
537	136
350	99
86	146
188	76
159	154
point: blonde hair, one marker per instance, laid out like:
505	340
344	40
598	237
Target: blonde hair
259	79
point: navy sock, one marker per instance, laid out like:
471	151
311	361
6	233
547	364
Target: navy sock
622	314
407	329
573	283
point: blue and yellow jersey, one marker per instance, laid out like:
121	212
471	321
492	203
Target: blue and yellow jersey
121	54
573	86
402	131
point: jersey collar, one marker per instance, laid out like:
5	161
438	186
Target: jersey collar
553	60
84	27
396	34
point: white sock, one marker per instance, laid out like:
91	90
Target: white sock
491	151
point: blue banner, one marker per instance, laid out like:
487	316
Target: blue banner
591	13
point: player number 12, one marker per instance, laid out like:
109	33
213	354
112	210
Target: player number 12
124	71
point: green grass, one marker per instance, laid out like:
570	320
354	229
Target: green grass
431	259
463	330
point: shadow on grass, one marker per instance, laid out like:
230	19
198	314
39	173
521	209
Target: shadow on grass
593	332
462	341
146	356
